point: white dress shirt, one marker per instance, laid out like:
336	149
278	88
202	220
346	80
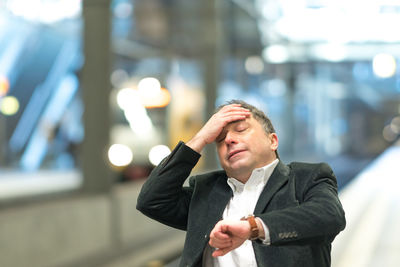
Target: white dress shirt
242	203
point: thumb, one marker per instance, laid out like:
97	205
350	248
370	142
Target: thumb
221	252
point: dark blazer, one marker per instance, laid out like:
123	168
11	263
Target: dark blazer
299	205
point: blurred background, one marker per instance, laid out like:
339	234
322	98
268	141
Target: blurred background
94	93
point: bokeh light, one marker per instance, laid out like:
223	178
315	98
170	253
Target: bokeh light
158	153
120	155
160	100
254	65
126	97
4	86
384	65
118	76
149	87
276	54
388	134
395	125
135	113
9	105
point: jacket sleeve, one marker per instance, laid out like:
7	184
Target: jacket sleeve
163	196
317	217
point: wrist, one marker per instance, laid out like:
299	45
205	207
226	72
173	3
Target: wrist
254	227
196	143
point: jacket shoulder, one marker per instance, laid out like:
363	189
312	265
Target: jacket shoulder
303	168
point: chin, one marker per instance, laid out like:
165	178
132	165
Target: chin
238	165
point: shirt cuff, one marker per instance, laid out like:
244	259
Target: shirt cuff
267	239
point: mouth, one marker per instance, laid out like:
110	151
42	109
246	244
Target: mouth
234	152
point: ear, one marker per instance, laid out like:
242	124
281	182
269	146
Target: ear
274	141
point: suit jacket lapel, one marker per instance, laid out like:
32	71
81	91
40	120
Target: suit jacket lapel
278	178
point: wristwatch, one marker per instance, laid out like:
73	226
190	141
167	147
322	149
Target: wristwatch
253	226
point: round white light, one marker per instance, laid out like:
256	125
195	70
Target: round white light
120	155
395	125
127	97
276	54
158	153
254	65
118	77
149	87
384	65
388	134
9	105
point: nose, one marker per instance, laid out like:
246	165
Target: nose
230	138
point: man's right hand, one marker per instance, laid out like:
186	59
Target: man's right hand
214	126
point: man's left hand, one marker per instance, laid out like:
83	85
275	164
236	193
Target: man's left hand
228	235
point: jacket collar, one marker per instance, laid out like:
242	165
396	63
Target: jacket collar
221	193
278	178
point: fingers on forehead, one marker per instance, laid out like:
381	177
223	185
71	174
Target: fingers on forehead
235	107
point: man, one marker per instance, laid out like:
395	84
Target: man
257	211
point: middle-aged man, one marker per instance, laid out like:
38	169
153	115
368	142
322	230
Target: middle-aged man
257	211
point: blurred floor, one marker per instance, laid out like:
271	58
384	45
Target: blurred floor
372	205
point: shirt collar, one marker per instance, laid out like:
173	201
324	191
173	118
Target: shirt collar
258	176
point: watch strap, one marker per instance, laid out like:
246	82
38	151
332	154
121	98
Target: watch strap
254	232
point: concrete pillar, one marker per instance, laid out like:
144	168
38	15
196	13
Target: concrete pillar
212	57
3	140
96	88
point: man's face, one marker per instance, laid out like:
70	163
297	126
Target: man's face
243	146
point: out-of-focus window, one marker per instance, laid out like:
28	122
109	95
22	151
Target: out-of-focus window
40	103
157	97
325	72
327	76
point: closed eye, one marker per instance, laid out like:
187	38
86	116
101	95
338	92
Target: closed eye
241	129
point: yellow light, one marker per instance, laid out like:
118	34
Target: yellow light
9	105
151	94
160	100
4	86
